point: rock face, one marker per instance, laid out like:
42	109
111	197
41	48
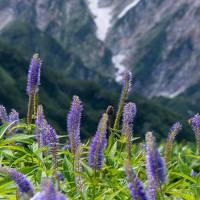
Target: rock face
156	39
160	41
67	22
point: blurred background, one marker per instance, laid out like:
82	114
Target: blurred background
86	45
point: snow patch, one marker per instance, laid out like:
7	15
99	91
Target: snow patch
102	18
117	60
130	6
171	95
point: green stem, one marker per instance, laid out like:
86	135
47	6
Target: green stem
121	106
161	191
30	107
35	105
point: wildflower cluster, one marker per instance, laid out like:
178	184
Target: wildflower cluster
113	165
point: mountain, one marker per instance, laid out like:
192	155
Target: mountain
60	31
83	42
157	39
56	92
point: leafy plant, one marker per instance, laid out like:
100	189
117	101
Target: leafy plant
34	164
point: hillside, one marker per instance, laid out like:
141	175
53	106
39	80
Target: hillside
57	90
156	39
57	30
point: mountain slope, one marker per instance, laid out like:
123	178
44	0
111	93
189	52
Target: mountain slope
56	92
63	26
158	40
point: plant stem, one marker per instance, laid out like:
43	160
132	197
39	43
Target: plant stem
30	107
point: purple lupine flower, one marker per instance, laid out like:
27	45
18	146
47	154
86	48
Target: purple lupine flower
171	136
175	128
98	144
78	169
52	135
48	134
195	123
193	173
21	181
14	116
3	114
73	123
33	85
127	83
48	192
129	113
155	166
14	119
52	141
34	75
134	184
43	134
40	120
49	138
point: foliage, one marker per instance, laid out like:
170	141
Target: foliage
22	152
76	179
57	90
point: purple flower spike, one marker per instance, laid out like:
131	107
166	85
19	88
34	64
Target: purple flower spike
175	128
34	75
128	117
14	119
134	184
3	114
195	123
129	114
39	122
14	116
73	123
48	192
48	134
171	137
52	136
98	144
193	173
127	83
21	181
155	166
50	139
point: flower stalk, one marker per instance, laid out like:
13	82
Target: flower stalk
155	167
127	82
73	124
195	123
98	145
171	137
134	184
33	85
129	113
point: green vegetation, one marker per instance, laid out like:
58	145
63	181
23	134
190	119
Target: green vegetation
57	90
35	151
